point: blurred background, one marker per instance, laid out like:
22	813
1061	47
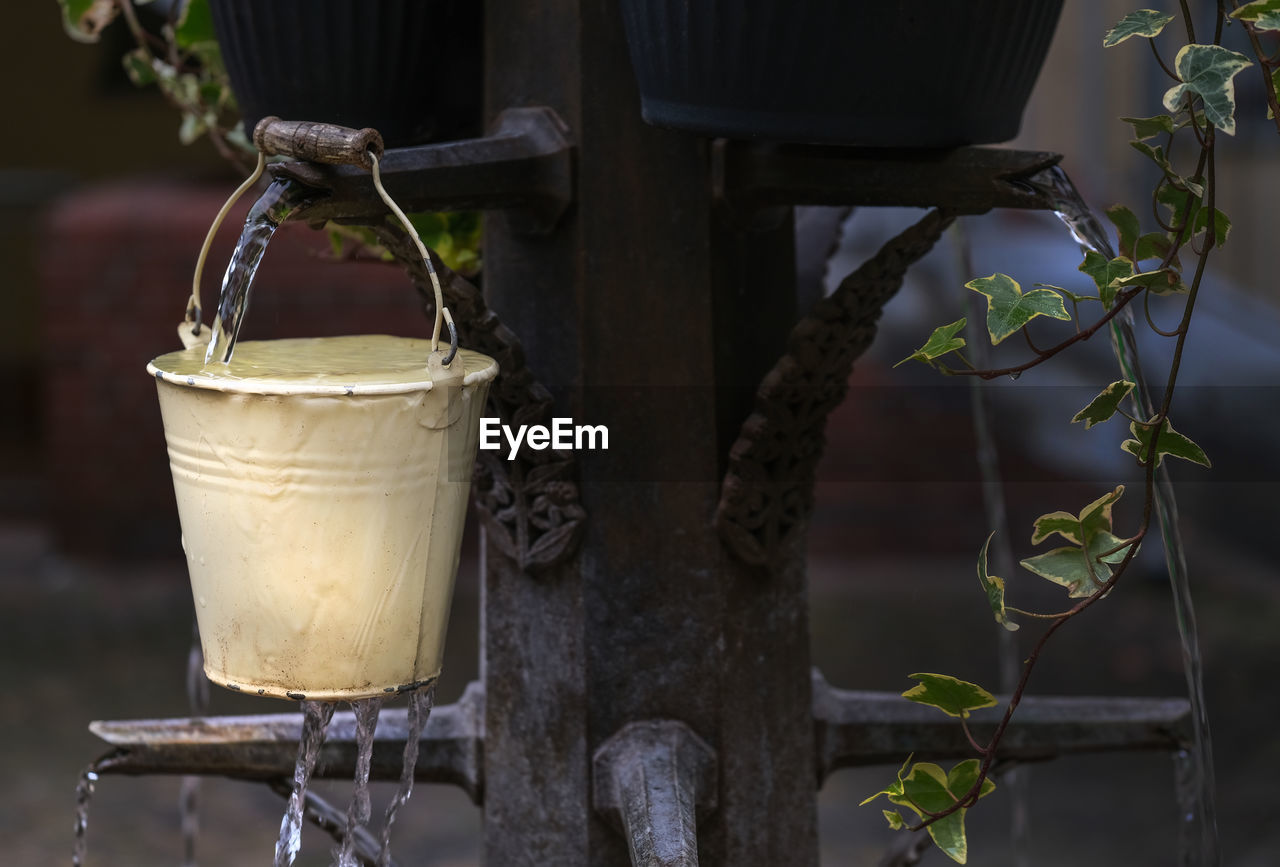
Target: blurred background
102	211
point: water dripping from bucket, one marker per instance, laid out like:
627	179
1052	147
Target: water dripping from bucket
420	704
366	713
281	199
315	722
1197	820
84	795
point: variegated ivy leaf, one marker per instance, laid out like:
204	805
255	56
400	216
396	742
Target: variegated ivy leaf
1208	71
1144	22
952	696
1149	127
896	822
1221	225
894	788
1082	574
1077	529
994	588
1105	273
940	342
1127	228
1154	245
1162	281
1170	443
1068	294
929	788
1104	406
84	20
1262	14
1009	309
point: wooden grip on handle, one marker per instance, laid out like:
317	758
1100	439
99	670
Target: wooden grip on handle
317	142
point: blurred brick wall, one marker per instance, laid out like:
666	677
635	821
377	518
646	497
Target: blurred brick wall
115	270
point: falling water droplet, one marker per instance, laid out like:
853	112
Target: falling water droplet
84	794
420	704
1015	375
315	722
366	714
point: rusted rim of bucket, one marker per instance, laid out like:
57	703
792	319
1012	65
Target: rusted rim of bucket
477	368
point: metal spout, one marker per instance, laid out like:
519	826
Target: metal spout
653	782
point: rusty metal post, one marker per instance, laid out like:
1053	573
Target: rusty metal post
654	310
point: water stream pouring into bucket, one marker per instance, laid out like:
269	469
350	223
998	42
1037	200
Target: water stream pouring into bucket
322	487
1194	777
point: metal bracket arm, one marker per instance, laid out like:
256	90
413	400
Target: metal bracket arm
871	728
524	166
969	180
265	746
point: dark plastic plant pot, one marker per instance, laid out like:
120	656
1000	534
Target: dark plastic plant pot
411	69
885	73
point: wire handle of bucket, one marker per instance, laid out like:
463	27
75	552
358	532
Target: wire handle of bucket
442	312
367	158
192	318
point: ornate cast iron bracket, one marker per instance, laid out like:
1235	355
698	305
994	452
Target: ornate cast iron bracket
767	493
529	506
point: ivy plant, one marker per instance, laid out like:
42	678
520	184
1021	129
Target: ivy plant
1092	554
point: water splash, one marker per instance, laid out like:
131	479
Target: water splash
1197	816
281	199
420	704
84	794
315	722
366	714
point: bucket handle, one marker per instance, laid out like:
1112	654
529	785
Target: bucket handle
336	145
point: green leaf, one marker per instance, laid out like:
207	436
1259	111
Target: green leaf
137	65
894	788
964	775
1149	127
1207	71
1008	309
1068	294
994	588
1170	443
1178	200
1105	273
1163	281
1154	245
1104	406
84	20
1076	529
896	822
1221	225
195	25
1070	568
952	696
1127	228
940	342
1155	153
928	787
1262	14
1144	22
